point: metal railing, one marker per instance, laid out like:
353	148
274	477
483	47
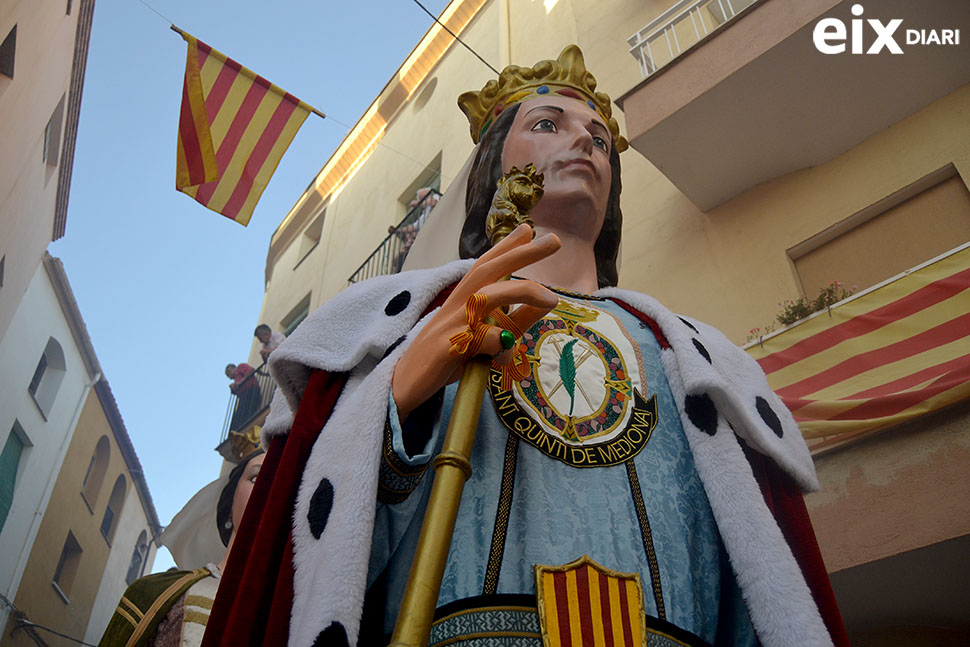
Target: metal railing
389	256
250	399
679	28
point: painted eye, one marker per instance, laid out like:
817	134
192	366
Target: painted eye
600	142
546	125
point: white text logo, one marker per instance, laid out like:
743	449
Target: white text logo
830	36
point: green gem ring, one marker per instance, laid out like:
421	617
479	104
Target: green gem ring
507	339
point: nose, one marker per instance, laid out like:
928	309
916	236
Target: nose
582	141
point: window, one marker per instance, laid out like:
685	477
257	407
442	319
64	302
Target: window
7	51
47	376
11	458
920	221
137	558
3	260
38	375
67	566
94	477
52	134
296	316
110	521
311	236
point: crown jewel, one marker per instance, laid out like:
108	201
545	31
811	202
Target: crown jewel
567	75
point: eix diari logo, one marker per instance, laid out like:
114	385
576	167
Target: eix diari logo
829	35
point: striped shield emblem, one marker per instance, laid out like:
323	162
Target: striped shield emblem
583	604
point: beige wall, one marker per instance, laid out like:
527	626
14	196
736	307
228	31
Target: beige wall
900	237
730	266
28	186
893	492
68	511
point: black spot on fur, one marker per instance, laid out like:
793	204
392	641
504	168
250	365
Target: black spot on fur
397	305
702	412
333	636
769	416
321	503
390	349
688	324
703	351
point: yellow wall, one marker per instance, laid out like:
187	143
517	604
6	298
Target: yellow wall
68	511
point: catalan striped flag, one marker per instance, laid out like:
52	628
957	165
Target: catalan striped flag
583	604
887	356
234	127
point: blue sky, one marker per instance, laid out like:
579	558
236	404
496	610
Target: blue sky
171	291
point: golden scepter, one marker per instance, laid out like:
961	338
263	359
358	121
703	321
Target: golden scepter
518	192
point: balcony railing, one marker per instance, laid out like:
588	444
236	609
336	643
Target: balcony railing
679	28
389	256
251	400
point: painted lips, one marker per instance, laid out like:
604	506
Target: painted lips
578	163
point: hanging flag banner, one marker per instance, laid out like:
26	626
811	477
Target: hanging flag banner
234	127
884	357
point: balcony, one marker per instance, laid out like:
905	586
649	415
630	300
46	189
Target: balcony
732	98
247	407
679	28
389	256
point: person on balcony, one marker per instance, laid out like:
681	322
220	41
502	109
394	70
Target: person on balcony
269	338
425	199
245	387
635	473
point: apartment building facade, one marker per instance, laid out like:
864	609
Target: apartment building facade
760	170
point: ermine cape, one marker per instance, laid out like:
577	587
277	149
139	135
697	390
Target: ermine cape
311	516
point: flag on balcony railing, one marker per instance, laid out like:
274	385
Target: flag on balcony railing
882	358
234	127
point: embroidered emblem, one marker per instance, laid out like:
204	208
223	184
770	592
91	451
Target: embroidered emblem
583	403
583	603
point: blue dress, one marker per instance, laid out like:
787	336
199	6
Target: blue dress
585	457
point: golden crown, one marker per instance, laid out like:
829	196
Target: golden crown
244	444
567	76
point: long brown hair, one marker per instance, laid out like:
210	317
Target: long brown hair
485	173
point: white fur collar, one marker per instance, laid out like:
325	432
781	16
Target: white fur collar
367	318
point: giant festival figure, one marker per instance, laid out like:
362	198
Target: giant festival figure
634	479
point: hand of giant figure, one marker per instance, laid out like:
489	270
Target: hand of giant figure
640	485
428	364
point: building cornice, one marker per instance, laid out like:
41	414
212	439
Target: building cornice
72	314
363	138
82	40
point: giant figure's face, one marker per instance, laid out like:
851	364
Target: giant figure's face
245	488
569	143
